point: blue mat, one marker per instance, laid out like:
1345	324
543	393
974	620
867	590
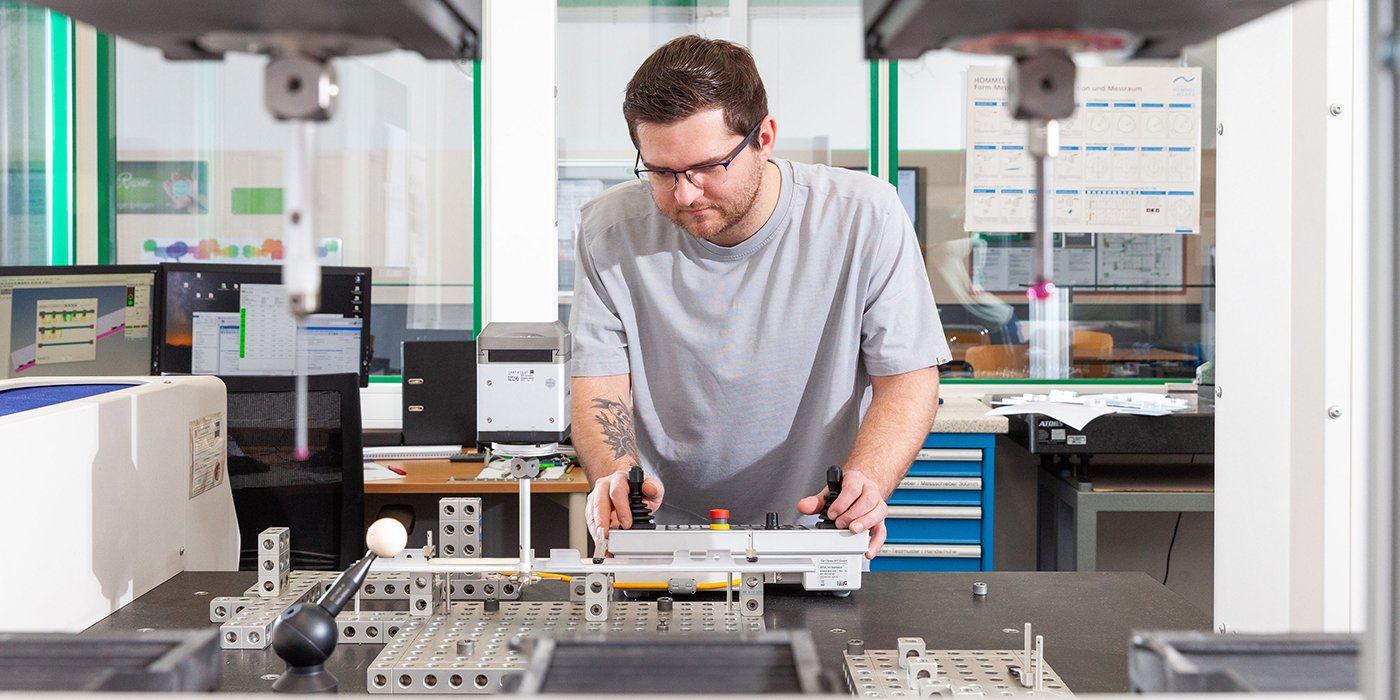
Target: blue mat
29	398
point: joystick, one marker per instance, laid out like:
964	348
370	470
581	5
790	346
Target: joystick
304	635
641	515
833	491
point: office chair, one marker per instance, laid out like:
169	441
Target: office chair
322	498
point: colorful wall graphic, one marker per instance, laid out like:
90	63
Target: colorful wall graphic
229	250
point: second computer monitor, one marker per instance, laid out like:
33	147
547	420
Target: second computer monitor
69	321
232	320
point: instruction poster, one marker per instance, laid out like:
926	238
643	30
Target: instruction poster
162	187
1109	263
1129	161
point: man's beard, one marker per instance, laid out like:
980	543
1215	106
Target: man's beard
728	216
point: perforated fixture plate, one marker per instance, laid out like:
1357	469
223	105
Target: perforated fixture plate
971	673
423	657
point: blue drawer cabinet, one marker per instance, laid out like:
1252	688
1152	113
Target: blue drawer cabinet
940	518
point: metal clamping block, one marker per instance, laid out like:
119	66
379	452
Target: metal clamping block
922	668
383	586
222	608
751	596
274	561
910	647
498	588
597	593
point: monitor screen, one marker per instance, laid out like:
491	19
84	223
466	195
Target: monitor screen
79	320
232	320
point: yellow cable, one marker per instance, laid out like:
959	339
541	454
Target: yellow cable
648	586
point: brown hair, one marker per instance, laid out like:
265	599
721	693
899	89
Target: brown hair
693	74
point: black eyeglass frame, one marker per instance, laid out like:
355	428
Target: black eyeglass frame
676	174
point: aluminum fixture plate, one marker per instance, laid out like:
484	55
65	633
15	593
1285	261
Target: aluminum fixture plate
877	674
423	657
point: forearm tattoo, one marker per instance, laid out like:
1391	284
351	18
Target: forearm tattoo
616	420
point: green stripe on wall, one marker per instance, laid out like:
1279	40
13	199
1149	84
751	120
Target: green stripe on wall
106	150
61	163
256	200
893	157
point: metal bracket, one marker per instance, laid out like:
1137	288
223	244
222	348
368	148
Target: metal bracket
597	594
751	596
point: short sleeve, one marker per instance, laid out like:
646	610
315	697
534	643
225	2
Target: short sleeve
900	329
600	339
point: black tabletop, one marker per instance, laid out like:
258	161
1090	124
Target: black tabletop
1187	432
1086	619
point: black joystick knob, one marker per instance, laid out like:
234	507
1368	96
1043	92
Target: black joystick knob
833	490
304	635
641	515
770	521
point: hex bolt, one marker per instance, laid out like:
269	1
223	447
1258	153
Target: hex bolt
855	647
466	647
979	588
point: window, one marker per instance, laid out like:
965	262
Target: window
35	129
200	172
1140	306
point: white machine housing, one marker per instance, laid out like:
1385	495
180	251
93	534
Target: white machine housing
839	555
100	509
522	379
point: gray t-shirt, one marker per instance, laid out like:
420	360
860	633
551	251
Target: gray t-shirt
750	364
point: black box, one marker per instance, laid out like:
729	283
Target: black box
439	392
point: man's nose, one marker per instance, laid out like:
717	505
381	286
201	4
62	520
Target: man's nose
686	191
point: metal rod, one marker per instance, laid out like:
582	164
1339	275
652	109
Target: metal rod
301	272
1026	659
526	565
1378	671
1039	663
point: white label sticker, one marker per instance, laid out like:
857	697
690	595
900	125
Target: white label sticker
1057	435
207	453
520	375
832	573
1077	440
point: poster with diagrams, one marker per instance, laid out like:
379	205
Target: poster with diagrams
1129	162
65	331
1104	263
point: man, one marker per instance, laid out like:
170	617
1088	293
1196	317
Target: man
731	311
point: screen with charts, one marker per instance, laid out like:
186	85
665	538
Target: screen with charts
232	320
78	320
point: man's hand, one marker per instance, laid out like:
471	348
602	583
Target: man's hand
608	507
860	507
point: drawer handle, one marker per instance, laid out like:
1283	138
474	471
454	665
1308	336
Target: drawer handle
936	512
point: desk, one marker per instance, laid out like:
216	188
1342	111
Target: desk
1086	619
1069	501
431	476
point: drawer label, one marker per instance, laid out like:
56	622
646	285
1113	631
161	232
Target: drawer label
951	484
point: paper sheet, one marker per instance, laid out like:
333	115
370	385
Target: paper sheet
379	472
1073	415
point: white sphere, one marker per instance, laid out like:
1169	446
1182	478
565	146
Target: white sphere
386	538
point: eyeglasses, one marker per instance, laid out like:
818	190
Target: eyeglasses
701	176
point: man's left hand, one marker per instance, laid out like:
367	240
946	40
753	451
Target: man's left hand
860	507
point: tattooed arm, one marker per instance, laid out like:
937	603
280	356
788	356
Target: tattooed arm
606	441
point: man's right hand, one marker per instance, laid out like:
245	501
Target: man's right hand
607	502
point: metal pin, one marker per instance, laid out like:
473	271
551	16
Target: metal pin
729	591
1026	659
1039	663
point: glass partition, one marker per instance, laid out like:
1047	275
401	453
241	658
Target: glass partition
200	176
1139	305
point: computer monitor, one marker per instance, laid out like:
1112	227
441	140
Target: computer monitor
79	320
232	320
